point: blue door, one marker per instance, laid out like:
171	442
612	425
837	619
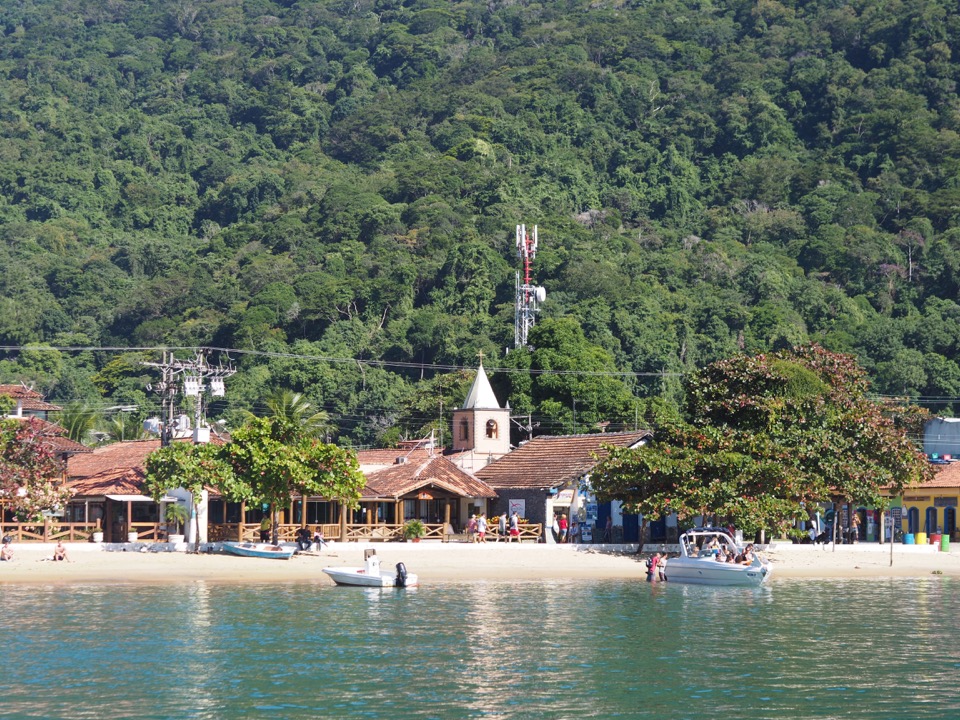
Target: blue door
658	531
913	521
631	528
949	520
930	526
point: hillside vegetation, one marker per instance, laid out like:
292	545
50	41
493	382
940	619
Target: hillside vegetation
318	181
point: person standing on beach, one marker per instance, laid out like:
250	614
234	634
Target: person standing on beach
514	526
608	530
482	528
502	526
653	567
265	529
472	529
854	528
563	528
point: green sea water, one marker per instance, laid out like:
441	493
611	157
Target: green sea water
795	649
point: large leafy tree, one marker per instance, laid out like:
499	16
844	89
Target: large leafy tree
274	460
31	476
765	437
193	467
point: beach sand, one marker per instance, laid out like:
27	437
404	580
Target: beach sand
437	562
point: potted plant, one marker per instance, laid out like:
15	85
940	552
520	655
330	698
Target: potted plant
413	530
176	516
97	535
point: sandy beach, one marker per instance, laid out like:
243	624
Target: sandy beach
436	562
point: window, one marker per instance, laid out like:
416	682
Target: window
492	429
464	429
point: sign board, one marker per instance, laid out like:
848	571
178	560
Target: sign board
586	533
564	497
518	506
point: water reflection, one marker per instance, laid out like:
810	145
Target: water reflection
590	649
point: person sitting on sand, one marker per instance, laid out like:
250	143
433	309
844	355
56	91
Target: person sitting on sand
304	539
6	553
60	552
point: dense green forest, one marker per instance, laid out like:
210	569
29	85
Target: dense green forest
331	187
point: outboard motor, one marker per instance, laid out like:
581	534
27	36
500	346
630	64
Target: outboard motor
401	580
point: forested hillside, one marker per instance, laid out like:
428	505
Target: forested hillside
325	183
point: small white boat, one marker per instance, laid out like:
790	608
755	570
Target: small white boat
370	575
698	564
260	550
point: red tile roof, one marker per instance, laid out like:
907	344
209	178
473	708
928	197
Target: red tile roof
948	476
116	469
54	436
553	461
422	474
19	391
27	398
370	459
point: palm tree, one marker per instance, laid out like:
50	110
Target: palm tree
124	426
78	419
294	409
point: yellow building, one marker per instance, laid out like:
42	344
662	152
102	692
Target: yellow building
931	508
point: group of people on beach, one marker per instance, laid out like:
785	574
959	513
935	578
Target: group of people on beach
568	531
306	539
6	550
508	527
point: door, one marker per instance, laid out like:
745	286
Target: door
949	521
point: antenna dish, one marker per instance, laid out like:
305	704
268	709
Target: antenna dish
541	293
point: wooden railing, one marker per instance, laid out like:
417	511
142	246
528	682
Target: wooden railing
157	532
50	532
148	532
383	532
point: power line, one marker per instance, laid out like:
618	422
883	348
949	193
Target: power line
329	359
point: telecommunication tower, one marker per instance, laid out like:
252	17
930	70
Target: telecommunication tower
529	296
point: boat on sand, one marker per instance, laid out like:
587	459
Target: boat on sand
260	550
698	564
370	575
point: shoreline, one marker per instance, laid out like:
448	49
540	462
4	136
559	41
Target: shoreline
437	562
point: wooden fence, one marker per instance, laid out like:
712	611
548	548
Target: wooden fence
383	532
248	532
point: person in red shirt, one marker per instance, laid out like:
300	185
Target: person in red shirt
563	528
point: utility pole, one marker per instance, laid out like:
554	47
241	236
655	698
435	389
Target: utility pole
529	427
195	376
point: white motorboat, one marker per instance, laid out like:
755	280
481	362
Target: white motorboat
370	575
698	563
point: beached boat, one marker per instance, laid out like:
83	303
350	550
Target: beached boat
370	575
698	562
260	550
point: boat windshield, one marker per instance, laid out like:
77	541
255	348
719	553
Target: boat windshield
707	543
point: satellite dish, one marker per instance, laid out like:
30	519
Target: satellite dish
540	293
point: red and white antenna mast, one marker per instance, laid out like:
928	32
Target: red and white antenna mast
529	296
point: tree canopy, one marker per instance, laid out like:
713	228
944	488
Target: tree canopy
765	438
31	476
332	188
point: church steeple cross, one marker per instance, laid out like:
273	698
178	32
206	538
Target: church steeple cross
480	355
